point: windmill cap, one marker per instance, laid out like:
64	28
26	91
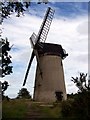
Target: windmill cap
52	49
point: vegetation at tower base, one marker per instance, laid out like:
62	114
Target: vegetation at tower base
78	105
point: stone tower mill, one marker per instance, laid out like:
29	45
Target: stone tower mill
49	79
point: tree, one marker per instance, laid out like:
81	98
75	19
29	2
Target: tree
5	58
78	106
23	93
81	82
4	86
7	8
82	100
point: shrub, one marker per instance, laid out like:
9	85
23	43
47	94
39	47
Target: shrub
66	108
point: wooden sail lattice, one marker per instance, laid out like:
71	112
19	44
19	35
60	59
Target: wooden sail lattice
44	29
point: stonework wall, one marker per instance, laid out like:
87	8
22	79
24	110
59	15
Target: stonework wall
52	79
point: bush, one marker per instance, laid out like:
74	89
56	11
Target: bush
81	105
77	108
66	108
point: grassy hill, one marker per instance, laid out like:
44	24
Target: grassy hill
25	108
76	107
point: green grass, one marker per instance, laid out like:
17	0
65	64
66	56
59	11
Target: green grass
22	107
14	109
48	110
51	112
25	109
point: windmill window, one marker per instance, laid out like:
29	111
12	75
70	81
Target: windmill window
59	95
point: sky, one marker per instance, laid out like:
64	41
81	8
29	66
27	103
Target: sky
69	28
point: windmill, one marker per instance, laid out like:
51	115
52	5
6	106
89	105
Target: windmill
49	72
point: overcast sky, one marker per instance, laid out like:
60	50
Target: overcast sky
69	28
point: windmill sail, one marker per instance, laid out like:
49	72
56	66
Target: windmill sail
33	39
37	39
29	65
42	34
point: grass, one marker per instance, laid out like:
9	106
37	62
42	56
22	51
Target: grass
14	109
46	110
51	112
23	108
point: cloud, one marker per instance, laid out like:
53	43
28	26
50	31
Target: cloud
70	33
81	26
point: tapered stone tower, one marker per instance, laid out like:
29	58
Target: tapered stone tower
52	79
